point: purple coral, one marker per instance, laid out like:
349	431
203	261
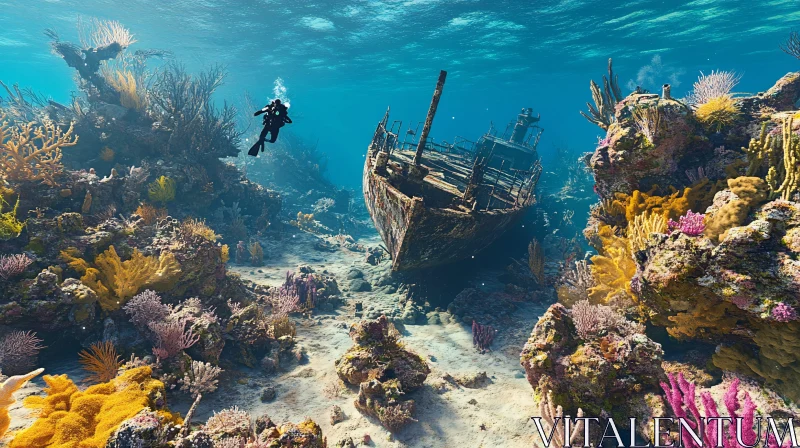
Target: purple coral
691	224
296	293
146	308
783	312
13	265
172	338
482	335
18	351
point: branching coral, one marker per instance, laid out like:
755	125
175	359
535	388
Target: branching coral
692	224
18	351
7	389
256	254
162	190
13	265
648	121
130	95
172	338
602	113
593	320
198	227
575	283
71	417
146	308
200	378
718	113
101	361
150	214
708	87
10	226
536	261
554	417
642	226
231	422
791	163
30	153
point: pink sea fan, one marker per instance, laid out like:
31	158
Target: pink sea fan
783	312
691	224
13	265
146	308
172	338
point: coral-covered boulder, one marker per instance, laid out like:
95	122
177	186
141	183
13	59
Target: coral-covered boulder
383	401
246	338
305	434
378	355
591	359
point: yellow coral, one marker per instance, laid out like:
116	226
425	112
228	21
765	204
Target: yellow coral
791	164
751	191
107	154
150	214
162	190
642	226
718	113
125	84
705	317
197	227
69	417
7	389
33	153
115	281
10	226
612	270
670	207
225	253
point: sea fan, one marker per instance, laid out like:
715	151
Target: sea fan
101	361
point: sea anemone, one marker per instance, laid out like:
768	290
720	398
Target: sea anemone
718	112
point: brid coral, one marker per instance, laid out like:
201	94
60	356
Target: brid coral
7	389
69	417
32	153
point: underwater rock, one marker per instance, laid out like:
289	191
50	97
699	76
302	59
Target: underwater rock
472	380
337	415
378	354
595	374
244	338
305	434
268	394
360	285
382	401
145	430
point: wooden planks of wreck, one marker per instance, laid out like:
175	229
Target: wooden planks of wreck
437	203
419	237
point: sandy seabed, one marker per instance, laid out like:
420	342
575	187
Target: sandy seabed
496	414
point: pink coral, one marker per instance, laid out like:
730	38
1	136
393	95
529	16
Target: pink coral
172	338
146	308
783	312
13	265
680	394
691	224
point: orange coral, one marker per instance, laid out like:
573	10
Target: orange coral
101	361
612	270
150	214
33	153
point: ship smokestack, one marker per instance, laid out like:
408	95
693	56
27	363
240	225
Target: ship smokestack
429	120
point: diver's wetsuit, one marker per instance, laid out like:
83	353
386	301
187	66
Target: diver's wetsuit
275	118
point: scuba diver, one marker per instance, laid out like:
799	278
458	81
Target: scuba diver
275	117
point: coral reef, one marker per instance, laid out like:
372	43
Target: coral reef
591	365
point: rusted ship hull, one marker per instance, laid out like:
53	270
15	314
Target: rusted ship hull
418	236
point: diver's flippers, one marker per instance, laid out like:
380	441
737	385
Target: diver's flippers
254	149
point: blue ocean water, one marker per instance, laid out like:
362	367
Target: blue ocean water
343	62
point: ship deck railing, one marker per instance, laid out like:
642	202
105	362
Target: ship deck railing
451	166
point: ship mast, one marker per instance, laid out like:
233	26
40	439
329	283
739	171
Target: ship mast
423	139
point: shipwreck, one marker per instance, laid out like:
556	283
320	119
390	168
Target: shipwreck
435	203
